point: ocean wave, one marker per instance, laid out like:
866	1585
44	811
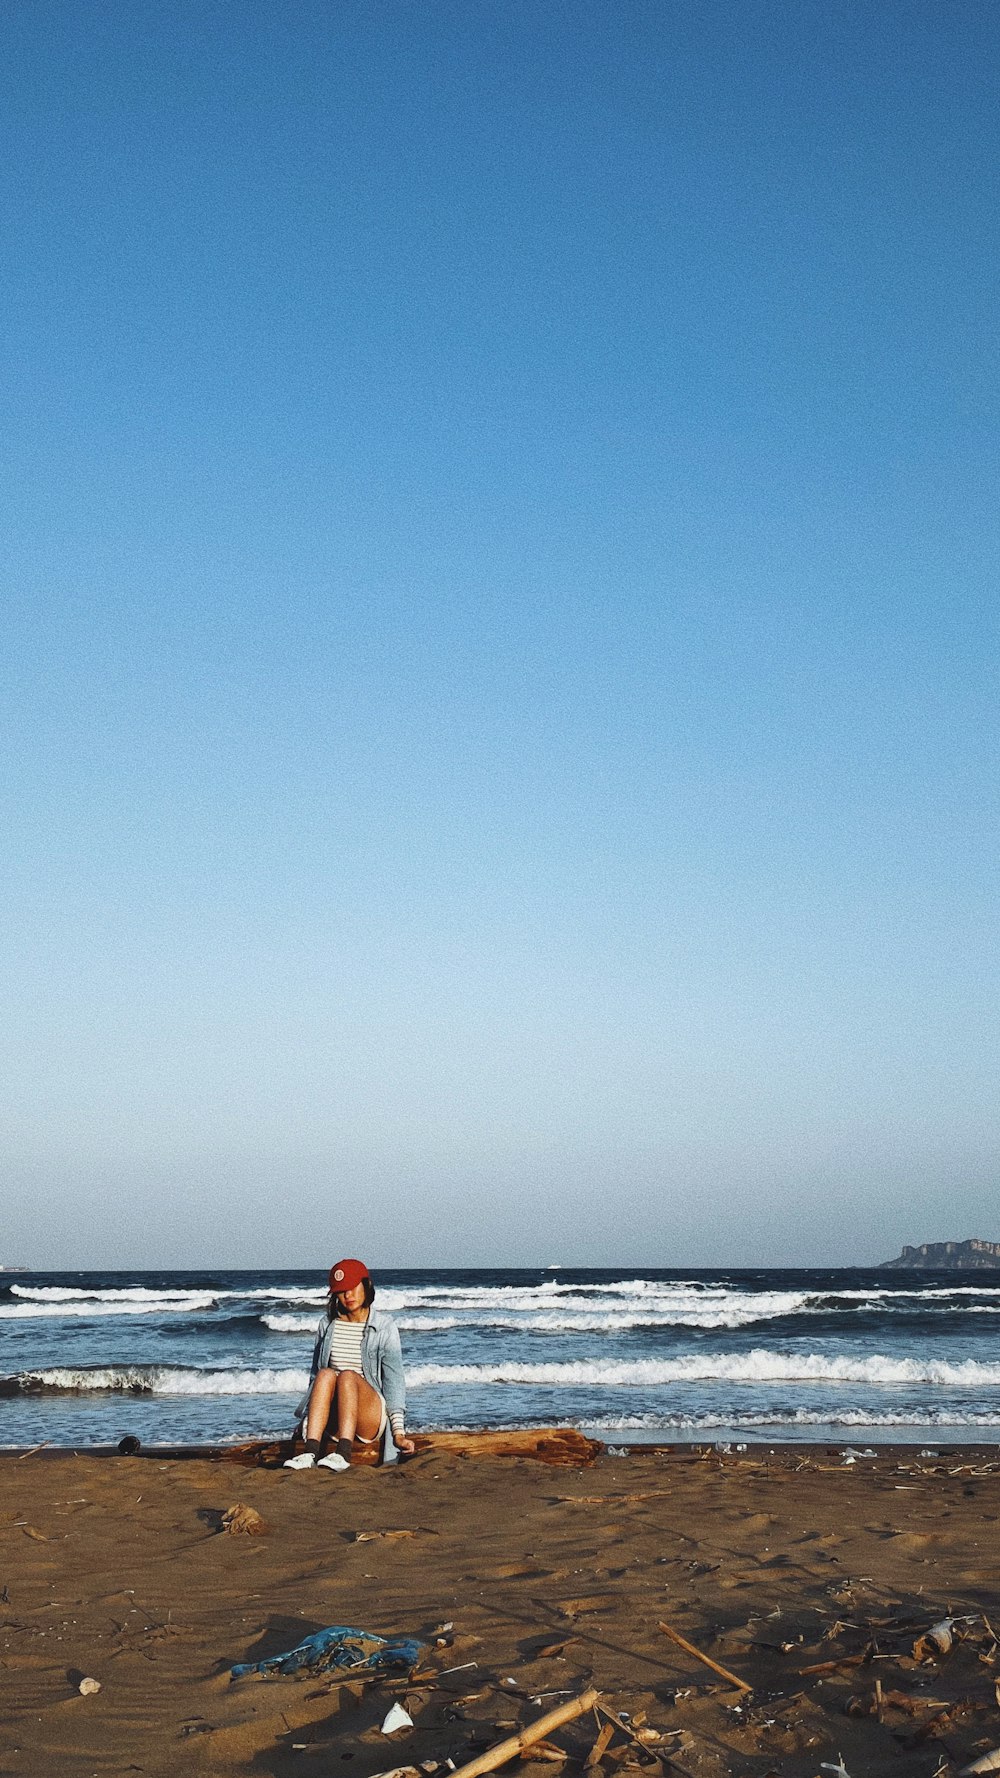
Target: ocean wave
570	1298
550	1306
92	1309
730	1367
652	1303
154	1379
556	1321
57	1294
820	1416
277	1293
759	1367
61	1293
306	1324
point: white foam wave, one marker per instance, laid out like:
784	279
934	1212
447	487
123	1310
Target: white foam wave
752	1368
621	1320
302	1324
61	1293
551	1306
731	1367
654	1303
137	1293
94	1310
278	1293
167	1380
557	1321
819	1416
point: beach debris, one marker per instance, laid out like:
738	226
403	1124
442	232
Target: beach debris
426	1768
397	1718
386	1536
987	1762
631	1727
539	1730
839	1770
936	1641
245	1521
600	1746
340	1646
908	1702
706	1660
608	1499
815	1667
87	1687
942	1721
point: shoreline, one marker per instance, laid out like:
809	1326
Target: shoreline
518	1439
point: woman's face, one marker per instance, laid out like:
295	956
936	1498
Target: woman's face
353	1299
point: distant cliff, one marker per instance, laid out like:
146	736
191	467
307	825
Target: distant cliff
947	1256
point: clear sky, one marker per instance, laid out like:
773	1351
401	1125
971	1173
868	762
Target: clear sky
499	687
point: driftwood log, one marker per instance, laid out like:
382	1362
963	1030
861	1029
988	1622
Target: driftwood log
536	1731
561	1446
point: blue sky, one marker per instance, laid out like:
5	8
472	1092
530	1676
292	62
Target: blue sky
500	655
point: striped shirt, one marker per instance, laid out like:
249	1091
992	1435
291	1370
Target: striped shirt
345	1350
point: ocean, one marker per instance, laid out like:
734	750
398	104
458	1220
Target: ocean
631	1354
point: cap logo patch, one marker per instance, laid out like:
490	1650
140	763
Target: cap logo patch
339	1273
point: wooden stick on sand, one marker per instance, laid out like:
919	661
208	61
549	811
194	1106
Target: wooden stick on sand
536	1731
706	1660
600	1746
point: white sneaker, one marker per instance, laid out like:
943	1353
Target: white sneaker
335	1462
304	1460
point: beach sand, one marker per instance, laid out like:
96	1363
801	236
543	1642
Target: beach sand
552	1579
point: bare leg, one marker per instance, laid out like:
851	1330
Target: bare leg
358	1407
320	1403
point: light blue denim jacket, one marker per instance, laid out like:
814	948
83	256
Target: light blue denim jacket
381	1366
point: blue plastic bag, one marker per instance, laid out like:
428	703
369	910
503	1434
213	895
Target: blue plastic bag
359	1651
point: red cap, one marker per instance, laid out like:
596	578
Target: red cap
346	1274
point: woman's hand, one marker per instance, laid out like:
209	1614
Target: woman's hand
404	1444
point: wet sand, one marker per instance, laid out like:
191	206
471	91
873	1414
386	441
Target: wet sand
552	1579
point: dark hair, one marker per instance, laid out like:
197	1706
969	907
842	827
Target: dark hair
334	1309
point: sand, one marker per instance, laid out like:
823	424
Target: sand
552	1579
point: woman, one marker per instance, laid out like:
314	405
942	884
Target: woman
357	1389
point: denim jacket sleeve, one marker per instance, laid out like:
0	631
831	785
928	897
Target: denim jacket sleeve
387	1357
